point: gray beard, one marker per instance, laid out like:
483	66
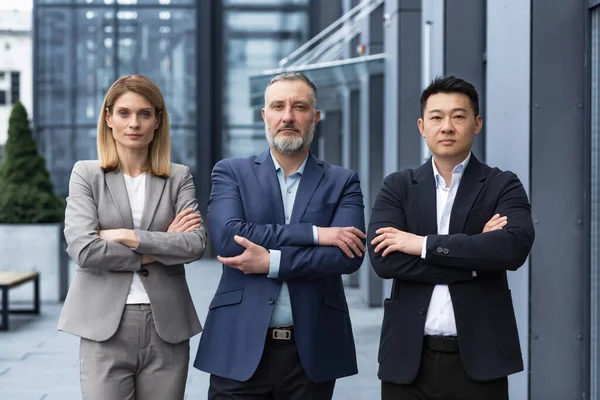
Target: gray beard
290	145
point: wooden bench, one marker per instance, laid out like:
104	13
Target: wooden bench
9	280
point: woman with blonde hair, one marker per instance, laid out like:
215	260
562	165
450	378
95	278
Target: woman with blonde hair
131	223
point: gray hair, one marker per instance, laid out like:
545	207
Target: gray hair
295	76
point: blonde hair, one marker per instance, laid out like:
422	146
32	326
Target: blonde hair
159	157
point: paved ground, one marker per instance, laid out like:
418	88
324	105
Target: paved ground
39	363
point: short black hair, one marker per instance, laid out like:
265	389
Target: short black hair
451	84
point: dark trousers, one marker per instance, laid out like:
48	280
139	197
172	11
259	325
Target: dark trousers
442	377
279	376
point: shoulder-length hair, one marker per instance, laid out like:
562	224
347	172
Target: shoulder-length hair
159	153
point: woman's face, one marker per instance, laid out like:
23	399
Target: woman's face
133	121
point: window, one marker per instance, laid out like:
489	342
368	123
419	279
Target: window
15	87
2	97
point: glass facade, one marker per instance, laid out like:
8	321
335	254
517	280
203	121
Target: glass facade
257	35
82	46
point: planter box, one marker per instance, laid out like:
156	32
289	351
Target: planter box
34	247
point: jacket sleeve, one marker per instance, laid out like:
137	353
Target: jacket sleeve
226	218
81	230
388	211
314	262
173	248
500	250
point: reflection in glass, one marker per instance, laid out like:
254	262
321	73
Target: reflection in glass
256	41
80	51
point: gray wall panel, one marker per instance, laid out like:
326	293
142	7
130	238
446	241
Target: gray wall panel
464	46
409	82
508	132
559	282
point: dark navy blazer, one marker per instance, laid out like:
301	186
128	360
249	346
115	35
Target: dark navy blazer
246	200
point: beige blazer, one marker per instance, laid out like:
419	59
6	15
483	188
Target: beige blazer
100	285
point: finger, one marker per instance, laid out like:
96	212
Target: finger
389	250
182	214
358	241
497	223
188	224
356	231
223	260
353	246
344	247
499	226
386	230
242	241
376	240
233	262
189	217
192	228
384	244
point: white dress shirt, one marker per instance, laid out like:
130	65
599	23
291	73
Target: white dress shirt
282	313
136	191
440	314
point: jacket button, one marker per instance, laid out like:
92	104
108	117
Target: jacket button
271	301
144	272
422	311
439	250
446	251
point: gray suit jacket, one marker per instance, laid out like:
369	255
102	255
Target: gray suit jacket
99	288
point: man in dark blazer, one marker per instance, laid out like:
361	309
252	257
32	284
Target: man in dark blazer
446	233
286	226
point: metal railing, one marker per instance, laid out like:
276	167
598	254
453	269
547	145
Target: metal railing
330	43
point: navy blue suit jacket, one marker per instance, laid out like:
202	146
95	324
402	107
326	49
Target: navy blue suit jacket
246	200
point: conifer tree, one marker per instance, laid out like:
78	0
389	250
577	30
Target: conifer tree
26	190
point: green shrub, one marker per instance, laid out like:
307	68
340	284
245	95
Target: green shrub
26	190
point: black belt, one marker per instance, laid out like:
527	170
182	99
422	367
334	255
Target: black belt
446	344
285	334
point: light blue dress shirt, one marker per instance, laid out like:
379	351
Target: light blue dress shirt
282	313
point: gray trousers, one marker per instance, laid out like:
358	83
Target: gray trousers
134	364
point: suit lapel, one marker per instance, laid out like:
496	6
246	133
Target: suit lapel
116	186
471	184
154	189
425	207
267	176
313	173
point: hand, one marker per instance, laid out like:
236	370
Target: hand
254	260
185	221
392	239
111	235
349	239
495	223
147	260
126	237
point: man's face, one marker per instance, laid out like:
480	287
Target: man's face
449	125
290	116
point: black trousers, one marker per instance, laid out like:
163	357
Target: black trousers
279	376
442	377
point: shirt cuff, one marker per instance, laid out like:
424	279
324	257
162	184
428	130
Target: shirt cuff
274	261
424	249
315	236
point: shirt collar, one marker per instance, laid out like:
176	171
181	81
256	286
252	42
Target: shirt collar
278	167
458	170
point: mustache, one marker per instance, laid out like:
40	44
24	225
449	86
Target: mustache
288	127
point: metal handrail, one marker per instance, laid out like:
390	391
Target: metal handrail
302	53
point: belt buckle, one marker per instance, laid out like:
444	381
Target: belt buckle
282	334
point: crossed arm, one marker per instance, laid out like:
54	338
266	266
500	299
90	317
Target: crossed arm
112	249
245	245
503	244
